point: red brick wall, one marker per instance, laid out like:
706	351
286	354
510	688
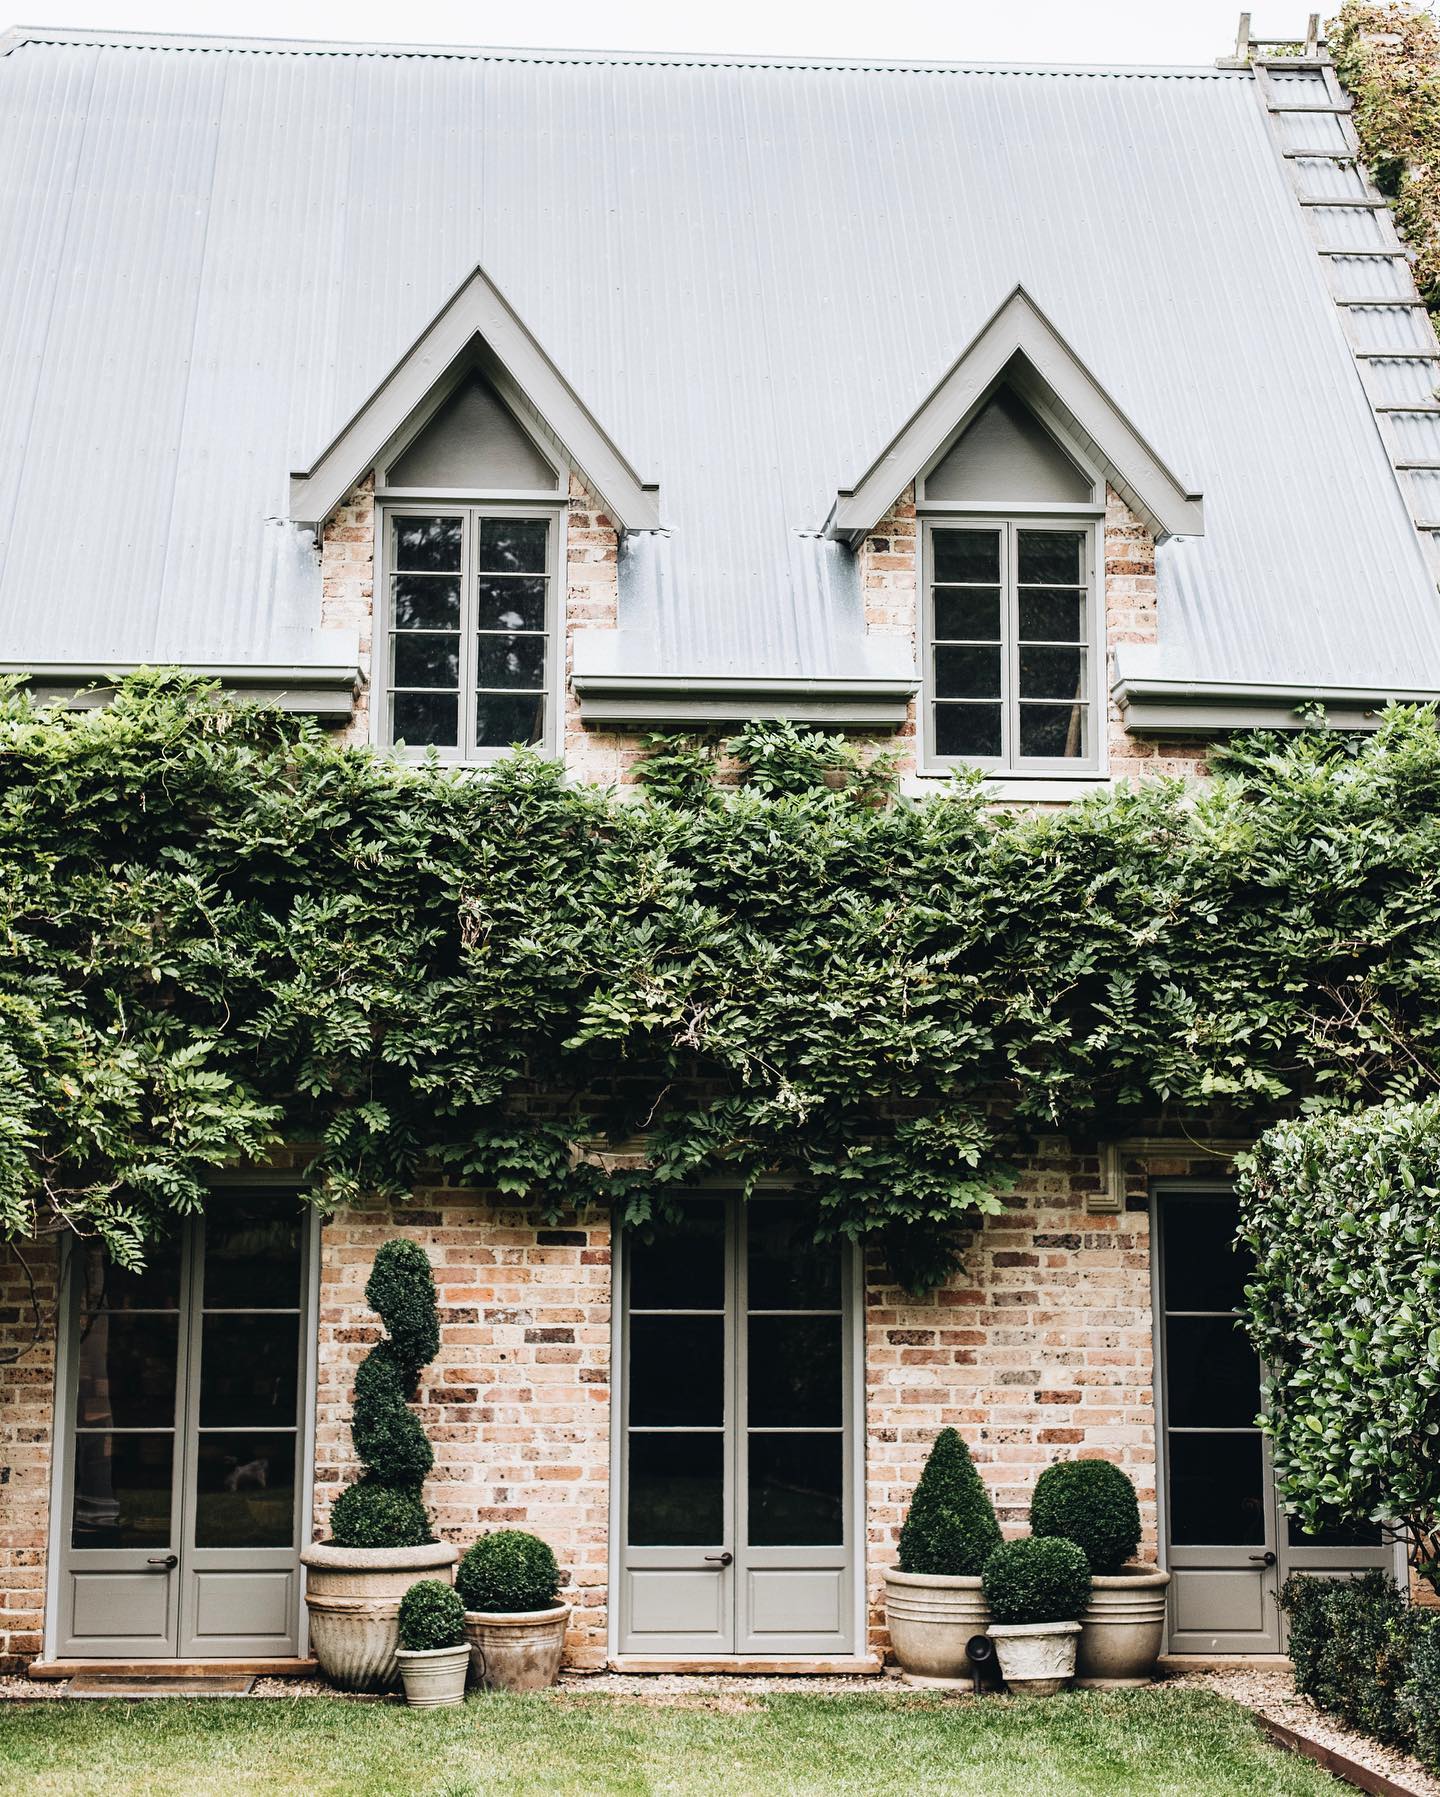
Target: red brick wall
27	1385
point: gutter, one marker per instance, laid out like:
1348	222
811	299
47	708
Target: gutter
1161	705
845	703
324	692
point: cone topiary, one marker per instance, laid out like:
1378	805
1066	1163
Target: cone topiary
1093	1504
951	1529
385	1508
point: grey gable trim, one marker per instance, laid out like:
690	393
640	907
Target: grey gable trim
1166	705
476	310
1054	378
734	699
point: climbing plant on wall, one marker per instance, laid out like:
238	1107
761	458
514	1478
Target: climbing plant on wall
219	930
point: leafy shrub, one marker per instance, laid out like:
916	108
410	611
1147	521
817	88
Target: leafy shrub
1043	1578
1093	1504
1420	1693
508	1570
385	1508
1350	1641
368	1514
951	1528
431	1616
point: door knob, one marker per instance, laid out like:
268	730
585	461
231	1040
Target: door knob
724	1558
168	1561
1266	1559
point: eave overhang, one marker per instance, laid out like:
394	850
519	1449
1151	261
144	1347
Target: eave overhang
476	313
327	693
855	704
1020	343
1165	705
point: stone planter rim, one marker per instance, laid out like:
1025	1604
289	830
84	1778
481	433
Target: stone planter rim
1009	1630
944	1581
404	1654
1134	1574
512	1616
379	1559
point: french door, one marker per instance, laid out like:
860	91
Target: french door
1229	1545
738	1454
183	1388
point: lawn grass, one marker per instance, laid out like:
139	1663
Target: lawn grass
1156	1743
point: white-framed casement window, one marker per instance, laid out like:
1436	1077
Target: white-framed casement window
470	543
1011	599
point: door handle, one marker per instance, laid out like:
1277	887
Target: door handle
168	1561
1266	1559
724	1558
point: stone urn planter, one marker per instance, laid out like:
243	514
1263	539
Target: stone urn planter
1122	1628
1037	1659
353	1596
930	1617
434	1677
517	1650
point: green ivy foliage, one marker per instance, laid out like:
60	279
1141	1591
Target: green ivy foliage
220	930
1040	1578
1342	1215
431	1616
950	1528
508	1571
1093	1504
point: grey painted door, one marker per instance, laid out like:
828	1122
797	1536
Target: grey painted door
735	1501
183	1394
1228	1543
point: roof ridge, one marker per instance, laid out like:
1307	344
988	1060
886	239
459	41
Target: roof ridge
18	35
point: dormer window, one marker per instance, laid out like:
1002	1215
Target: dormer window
1011	633
466	610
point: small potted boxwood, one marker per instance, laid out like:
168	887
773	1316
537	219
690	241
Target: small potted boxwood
515	1624
934	1602
1093	1504
434	1655
1036	1589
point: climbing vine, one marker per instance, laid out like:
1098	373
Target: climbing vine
219	930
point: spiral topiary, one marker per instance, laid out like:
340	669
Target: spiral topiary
1041	1578
1093	1504
384	1508
951	1529
508	1571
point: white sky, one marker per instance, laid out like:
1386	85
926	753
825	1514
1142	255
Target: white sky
1081	31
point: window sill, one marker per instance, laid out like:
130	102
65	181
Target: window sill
1009	788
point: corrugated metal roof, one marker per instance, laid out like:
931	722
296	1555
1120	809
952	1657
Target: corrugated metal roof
752	273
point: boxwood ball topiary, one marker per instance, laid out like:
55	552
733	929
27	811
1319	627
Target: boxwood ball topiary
431	1616
1043	1578
1093	1504
369	1514
951	1529
508	1570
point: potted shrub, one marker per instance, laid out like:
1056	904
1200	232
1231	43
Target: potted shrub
509	1584
934	1602
434	1655
381	1541
1093	1504
1036	1589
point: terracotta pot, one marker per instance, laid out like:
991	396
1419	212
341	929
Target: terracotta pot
517	1650
930	1617
434	1677
1036	1658
353	1596
1123	1629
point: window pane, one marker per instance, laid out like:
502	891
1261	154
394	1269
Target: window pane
122	1491
127	1370
252	1252
425	601
510	603
427	660
1212	1375
1203	1271
510	661
683	1266
248	1369
1217	1494
972	731
513	545
429	544
1051	558
1055	731
1052	673
422	718
501	720
245	1491
677	1490
1049	615
967	673
788	1269
794	1373
966	555
969	613
157	1287
677	1371
797	1484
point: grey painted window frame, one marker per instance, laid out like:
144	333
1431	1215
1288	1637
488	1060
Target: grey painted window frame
1008	520
473	505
